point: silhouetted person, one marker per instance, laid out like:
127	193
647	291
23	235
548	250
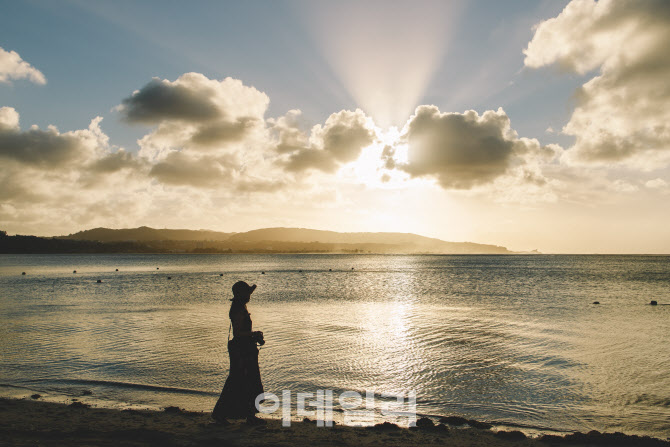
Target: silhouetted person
243	384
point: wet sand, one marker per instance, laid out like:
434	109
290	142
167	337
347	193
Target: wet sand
33	422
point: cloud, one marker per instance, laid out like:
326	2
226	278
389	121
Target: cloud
13	67
17	184
340	140
259	185
179	168
657	183
195	112
48	149
9	119
208	134
623	186
289	132
223	131
218	128
463	150
164	100
622	114
193	98
113	162
211	153
55	179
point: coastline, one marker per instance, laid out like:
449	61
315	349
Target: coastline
34	422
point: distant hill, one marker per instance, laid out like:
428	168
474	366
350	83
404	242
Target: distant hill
282	240
146	234
399	242
39	245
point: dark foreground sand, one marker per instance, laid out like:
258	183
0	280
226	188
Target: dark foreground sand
27	422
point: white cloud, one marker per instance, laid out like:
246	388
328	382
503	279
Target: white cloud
13	67
622	114
9	119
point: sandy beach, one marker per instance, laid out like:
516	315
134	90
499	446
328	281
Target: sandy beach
33	422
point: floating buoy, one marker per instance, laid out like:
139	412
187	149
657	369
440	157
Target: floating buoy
596	302
99	281
74	271
653	303
23	273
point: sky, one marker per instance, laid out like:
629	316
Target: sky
528	124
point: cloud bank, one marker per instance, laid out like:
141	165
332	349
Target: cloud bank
53	178
210	151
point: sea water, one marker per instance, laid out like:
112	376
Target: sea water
515	340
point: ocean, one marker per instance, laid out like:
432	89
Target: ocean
515	340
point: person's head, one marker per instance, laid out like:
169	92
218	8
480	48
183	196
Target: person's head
242	291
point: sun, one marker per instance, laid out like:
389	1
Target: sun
370	169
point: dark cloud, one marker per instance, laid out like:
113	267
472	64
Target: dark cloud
346	135
41	166
256	185
162	100
46	149
181	169
290	132
223	131
195	112
114	162
339	141
388	154
309	158
459	150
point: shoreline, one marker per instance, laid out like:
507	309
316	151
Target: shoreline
35	422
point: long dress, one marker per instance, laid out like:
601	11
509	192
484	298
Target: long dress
243	384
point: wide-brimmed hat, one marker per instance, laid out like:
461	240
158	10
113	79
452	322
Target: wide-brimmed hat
241	288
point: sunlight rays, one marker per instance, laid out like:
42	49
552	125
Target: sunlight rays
389	53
